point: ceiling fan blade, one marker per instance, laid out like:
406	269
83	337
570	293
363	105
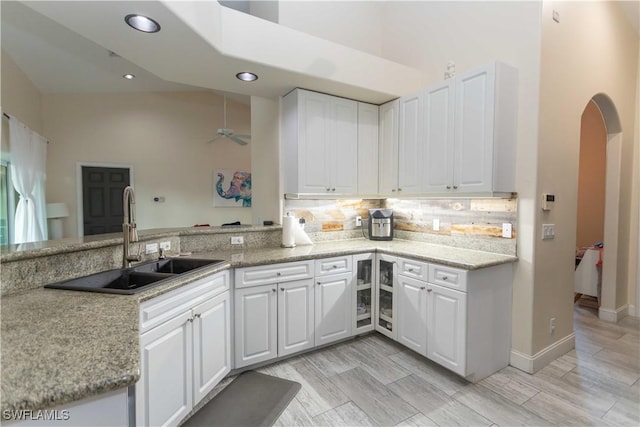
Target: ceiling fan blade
237	139
214	139
245	136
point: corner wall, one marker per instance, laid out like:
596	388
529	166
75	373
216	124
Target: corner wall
592	50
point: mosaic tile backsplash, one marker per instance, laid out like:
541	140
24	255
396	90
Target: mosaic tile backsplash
468	223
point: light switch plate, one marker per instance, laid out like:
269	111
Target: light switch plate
151	248
436	224
548	231
237	240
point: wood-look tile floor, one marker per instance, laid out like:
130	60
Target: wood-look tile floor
372	381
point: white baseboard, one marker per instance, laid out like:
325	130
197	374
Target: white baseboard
609	315
633	311
533	364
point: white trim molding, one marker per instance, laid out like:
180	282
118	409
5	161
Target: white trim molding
614	316
633	311
532	364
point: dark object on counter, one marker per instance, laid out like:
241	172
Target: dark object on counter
380	224
232	224
263	399
201	225
267	222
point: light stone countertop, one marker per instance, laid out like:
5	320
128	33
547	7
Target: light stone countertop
445	255
62	346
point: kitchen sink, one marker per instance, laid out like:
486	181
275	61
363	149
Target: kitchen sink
135	279
174	265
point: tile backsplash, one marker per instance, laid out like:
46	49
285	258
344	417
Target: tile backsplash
467	223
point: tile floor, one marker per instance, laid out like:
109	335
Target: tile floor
374	381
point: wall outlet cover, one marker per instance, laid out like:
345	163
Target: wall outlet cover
548	231
436	224
165	246
237	240
151	248
507	230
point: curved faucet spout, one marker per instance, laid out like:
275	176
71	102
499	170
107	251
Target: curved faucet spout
129	231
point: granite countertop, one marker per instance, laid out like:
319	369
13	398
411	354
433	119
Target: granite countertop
445	255
61	346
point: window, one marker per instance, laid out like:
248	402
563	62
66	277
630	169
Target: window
7	204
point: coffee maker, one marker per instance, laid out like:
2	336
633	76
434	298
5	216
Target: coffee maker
380	224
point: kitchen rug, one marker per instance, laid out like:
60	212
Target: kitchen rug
252	399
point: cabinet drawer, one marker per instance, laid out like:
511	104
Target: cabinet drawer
273	273
453	278
414	269
157	310
341	264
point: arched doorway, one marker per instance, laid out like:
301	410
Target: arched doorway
607	310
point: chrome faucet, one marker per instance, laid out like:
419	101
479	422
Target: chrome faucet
130	234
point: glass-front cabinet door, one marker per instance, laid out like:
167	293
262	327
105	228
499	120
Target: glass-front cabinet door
364	292
387	278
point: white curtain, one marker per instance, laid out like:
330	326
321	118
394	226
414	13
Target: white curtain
28	173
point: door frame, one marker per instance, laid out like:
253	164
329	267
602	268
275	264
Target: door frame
79	195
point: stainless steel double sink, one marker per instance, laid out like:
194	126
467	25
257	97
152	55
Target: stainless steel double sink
137	278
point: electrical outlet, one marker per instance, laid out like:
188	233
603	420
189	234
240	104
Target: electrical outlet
552	325
436	224
237	240
548	231
151	248
507	230
358	221
165	246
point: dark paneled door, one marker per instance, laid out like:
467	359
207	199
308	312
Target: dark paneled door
102	189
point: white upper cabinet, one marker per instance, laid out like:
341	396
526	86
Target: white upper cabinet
410	144
388	148
367	149
470	132
438	137
320	134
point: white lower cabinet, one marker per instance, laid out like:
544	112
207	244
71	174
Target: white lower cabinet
296	322
447	328
457	318
256	330
333	308
412	314
184	357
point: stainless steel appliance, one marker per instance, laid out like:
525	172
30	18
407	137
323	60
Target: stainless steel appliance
380	224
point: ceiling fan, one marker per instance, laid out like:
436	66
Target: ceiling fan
228	133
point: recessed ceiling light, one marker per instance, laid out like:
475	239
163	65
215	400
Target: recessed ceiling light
129	76
246	76
142	23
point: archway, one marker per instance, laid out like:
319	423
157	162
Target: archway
607	310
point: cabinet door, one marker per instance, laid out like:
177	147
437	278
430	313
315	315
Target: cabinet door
367	149
473	129
363	293
386	282
164	391
296	322
447	328
412	314
343	146
255	317
314	115
409	144
333	308
438	137
211	344
388	148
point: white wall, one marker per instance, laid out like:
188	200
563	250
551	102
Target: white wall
592	50
163	135
356	24
20	99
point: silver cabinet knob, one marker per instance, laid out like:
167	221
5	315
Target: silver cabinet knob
455	187
411	270
319	283
423	288
429	290
393	190
197	315
445	278
333	189
273	290
334	266
282	289
399	189
190	320
448	187
278	273
328	189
